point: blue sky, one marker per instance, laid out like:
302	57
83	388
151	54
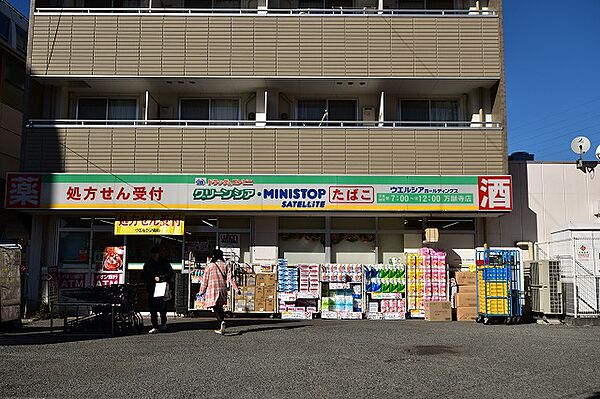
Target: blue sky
552	75
552	51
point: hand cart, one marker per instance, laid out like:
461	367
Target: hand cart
499	286
257	286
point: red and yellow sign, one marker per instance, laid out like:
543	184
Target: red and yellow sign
156	224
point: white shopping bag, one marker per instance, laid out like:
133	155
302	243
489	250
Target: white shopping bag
160	290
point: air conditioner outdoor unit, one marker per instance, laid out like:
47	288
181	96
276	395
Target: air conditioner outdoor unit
546	289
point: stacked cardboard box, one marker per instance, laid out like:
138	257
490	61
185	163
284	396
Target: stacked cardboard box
438	311
264	296
466	297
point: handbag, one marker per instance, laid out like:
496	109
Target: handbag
168	294
161	290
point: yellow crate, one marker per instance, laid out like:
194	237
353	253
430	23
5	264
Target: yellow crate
492	289
496	289
494	306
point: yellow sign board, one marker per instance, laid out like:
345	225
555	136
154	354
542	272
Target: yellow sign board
155	224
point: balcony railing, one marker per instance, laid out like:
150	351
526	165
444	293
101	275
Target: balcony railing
348	12
61	123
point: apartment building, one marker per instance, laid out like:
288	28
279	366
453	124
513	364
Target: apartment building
13	49
316	130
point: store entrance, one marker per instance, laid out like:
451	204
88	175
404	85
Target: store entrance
199	245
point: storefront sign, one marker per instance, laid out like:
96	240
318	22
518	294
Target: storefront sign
163	224
106	279
71	280
257	193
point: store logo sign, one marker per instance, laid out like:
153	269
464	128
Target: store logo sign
495	193
224	193
23	190
207	181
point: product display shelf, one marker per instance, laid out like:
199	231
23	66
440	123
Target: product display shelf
498	286
258	290
385	290
342	291
298	290
426	280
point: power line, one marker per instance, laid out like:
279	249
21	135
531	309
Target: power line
110	173
554	114
547	144
566	125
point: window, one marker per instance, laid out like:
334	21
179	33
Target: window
411	4
311	110
338	3
122	109
98	4
212	4
21	40
106	109
419	4
430	110
440	4
193	110
14	83
227	4
341	110
74	249
444	110
325	4
209	109
224	110
198	4
452	224
91	109
4	27
310	4
337	110
415	110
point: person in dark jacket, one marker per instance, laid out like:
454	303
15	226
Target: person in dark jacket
157	269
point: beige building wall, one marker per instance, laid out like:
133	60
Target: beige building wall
199	45
265	150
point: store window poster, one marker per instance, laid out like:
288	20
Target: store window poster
113	259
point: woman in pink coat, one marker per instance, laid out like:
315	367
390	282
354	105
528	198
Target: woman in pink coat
215	282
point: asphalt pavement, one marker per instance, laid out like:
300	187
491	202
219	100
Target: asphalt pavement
309	359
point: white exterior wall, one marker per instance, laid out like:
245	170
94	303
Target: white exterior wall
547	197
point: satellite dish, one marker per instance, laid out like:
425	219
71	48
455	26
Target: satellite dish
580	145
